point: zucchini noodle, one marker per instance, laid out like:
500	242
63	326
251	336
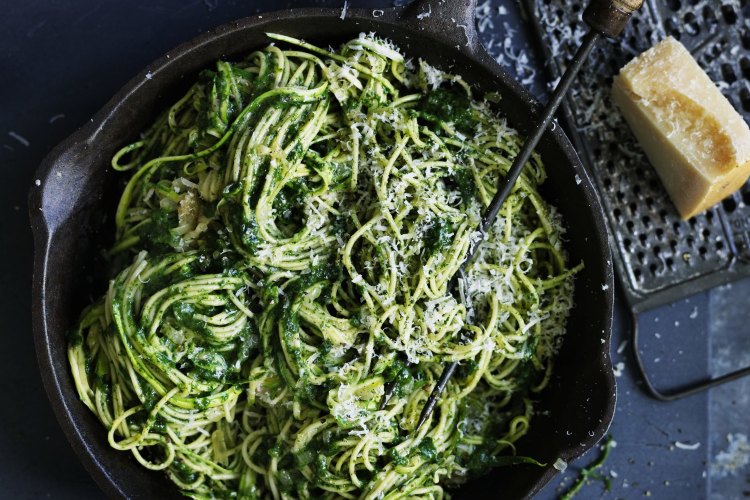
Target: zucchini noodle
283	248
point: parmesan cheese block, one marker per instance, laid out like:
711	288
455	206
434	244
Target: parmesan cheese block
696	141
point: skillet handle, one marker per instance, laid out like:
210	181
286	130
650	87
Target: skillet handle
62	187
452	21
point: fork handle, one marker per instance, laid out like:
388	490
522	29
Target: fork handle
609	17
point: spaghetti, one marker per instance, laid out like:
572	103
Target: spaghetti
283	247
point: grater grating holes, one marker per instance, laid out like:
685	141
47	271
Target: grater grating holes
727	73
672	27
745	68
745	37
654	248
691	26
674	5
730	15
729	205
745	99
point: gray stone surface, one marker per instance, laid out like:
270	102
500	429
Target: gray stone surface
729	407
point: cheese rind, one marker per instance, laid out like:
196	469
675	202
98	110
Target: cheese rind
697	142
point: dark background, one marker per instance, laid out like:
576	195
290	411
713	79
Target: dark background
60	61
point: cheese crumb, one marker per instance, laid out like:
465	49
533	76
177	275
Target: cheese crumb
560	465
687	446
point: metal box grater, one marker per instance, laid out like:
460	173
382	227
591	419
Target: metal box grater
660	258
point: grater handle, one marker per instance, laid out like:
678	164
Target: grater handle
609	17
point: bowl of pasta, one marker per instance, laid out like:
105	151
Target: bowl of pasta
251	244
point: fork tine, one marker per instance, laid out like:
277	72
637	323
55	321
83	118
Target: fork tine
435	394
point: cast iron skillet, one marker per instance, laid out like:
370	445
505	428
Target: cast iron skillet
77	188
